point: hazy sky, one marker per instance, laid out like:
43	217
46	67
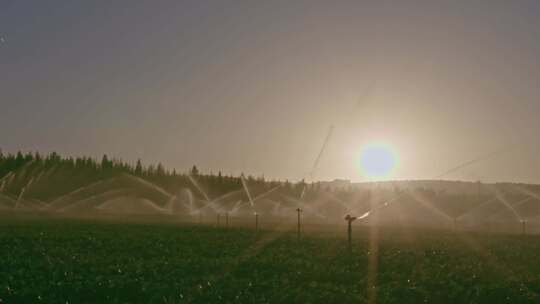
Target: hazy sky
253	86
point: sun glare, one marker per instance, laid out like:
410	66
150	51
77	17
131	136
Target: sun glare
378	161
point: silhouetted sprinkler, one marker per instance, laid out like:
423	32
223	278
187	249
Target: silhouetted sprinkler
349	220
523	228
256	221
298	211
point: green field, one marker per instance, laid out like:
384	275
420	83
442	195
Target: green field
90	261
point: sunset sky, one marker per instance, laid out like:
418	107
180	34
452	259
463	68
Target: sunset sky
254	86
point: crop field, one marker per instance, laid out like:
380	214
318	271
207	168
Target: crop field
95	261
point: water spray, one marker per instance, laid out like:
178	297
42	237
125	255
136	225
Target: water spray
148	184
19	198
58	201
207	201
5	180
236	206
305	207
492	200
194	182
266	193
502	199
363	216
244	184
325	143
318	158
473	161
212	204
23	191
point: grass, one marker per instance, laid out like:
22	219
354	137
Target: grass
90	261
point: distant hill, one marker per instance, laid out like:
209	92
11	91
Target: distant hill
51	183
446	186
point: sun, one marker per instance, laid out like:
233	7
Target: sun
378	161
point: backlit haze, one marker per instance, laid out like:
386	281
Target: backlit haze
253	87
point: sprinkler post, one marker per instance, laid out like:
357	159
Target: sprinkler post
523	224
349	220
298	210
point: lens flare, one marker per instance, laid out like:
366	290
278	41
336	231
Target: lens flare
378	161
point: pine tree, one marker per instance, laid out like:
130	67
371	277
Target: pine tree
160	171
138	168
19	159
105	163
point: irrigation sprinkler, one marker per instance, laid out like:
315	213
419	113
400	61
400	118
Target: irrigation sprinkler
523	227
349	220
298	211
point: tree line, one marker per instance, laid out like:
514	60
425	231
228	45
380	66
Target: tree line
50	175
